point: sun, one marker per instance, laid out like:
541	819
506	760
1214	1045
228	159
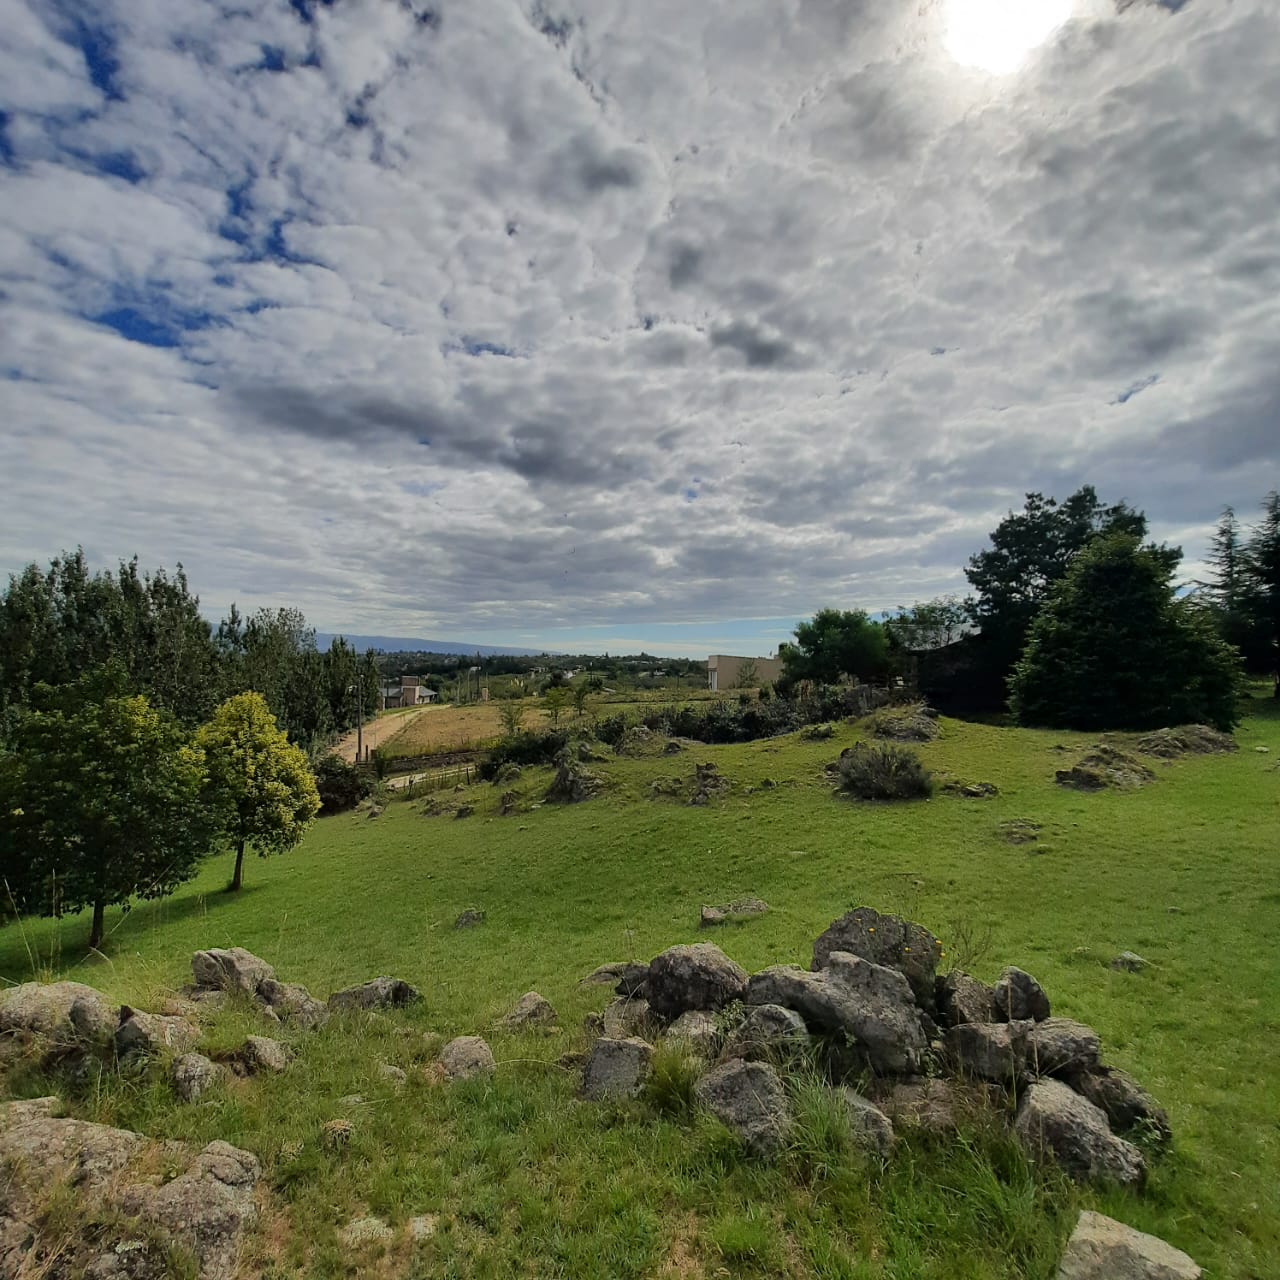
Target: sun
997	35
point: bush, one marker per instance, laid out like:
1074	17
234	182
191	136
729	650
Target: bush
341	785
884	772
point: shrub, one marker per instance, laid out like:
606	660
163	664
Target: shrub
673	1078
341	785
884	772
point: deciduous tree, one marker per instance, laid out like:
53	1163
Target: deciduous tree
835	644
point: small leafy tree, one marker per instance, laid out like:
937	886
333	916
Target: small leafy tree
582	692
100	801
511	713
834	644
1115	649
748	675
556	699
260	785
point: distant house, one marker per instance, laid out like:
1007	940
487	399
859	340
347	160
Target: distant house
728	671
410	692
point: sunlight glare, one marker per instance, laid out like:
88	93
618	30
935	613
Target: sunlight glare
997	35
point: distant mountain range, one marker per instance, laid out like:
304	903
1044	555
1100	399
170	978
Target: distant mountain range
399	644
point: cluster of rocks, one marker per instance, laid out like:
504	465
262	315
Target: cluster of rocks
914	723
1105	766
872	1007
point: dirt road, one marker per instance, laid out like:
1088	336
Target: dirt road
377	732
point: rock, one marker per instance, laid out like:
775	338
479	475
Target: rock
768	1033
971	790
87	1155
191	1075
741	909
141	1035
1186	740
708	784
466	1058
869	1126
884	940
623	1018
260	1053
465	811
700	1032
230	970
392	1074
293	1004
378	993
24	1109
1018	996
1103	1249
961	998
572	784
58	1014
1103	767
868	1003
632	980
1058	1047
206	1209
618	973
1128	1106
1128	962
1019	831
933	1106
699	976
748	1098
130	1260
531	1013
469	919
994	1051
1055	1122
616	1068
364	1231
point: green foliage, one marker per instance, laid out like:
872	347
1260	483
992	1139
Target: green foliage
339	784
1115	649
1260	571
935	624
673	1077
511	711
836	644
884	771
555	700
100	801
260	785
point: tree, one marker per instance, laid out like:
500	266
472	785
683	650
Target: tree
583	690
555	698
935	624
1261	575
1113	648
834	645
260	785
511	712
100	801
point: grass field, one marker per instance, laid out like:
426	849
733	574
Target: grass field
528	1181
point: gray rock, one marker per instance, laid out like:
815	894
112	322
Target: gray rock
234	969
885	940
392	1074
378	993
623	1018
24	1109
1129	962
469	919
698	1031
293	1004
728	912
531	1013
141	1035
961	998
1060	1047
364	1231
261	1054
1128	1106
933	1106
191	1075
616	1068
56	1014
1054	1122
699	976
748	1098
869	1126
1019	996
130	1260
627	976
87	1155
868	1003
466	1058
994	1051
1103	1249
768	1033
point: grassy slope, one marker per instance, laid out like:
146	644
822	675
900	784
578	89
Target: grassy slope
529	1181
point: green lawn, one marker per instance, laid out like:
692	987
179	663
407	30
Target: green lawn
529	1181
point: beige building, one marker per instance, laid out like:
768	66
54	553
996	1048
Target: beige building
726	671
410	692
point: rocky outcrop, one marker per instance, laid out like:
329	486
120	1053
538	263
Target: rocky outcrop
768	1033
141	1035
531	1013
233	969
623	1018
192	1075
616	1069
261	1055
1054	1122
293	1004
56	1014
698	1032
1060	1047
991	1051
1104	1249
934	1106
960	998
699	976
466	1058
1128	1106
378	993
1017	996
885	940
748	1098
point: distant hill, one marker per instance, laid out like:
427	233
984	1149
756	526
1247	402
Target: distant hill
399	644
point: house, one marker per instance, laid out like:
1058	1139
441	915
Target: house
728	671
410	692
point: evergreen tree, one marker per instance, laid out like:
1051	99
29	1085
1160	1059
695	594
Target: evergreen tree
1261	574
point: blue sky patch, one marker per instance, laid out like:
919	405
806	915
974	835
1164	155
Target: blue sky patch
157	326
6	146
98	48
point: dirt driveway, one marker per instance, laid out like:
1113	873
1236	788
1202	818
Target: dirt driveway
377	732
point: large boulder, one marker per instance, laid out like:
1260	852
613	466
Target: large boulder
261	1054
192	1074
1055	1122
1104	1249
531	1012
48	1150
748	1098
232	969
885	940
768	1033
293	1004
616	1069
961	998
1129	1107
378	993
992	1051
56	1014
868	1003
141	1035
1018	996
1061	1047
466	1058
699	976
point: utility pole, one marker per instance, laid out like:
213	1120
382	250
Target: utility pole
359	716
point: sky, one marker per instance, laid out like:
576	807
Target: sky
602	325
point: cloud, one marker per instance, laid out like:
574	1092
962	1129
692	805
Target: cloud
432	316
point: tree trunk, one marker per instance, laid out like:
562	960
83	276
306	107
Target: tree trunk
238	878
95	934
